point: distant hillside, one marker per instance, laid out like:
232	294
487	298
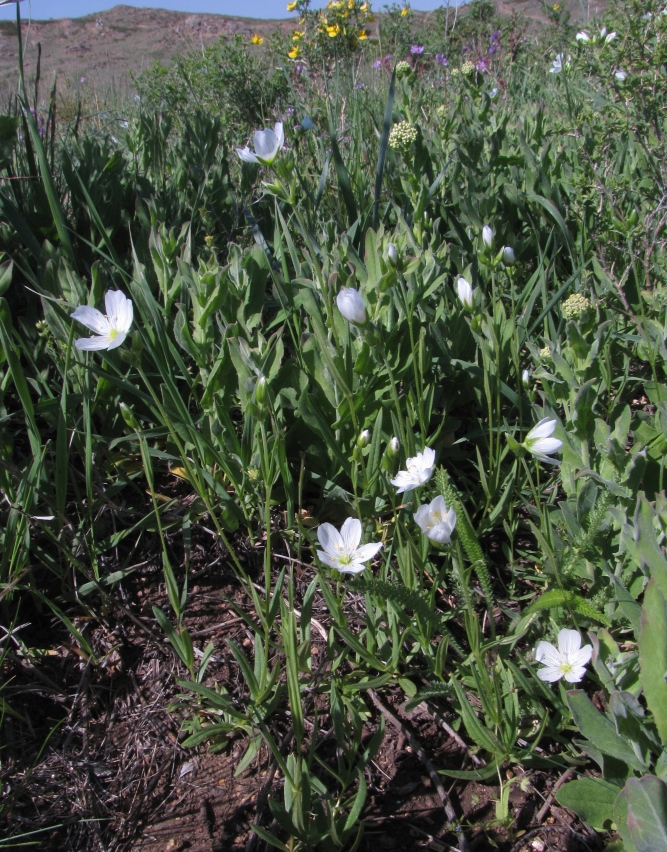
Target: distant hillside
103	48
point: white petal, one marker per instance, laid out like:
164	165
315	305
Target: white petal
117	341
544	429
92	319
266	144
367	551
569	641
548	654
422	516
583	656
442	533
246	155
330	539
428	456
331	561
90	343
350	568
551	674
351	534
575	674
404	481
547	446
280	134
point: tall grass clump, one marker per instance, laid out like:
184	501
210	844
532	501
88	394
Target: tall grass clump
387	337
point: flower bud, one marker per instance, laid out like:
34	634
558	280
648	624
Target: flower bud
364	439
351	306
487	236
392	255
128	416
260	390
393	447
508	256
525	379
465	292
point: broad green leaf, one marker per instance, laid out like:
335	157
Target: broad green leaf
653	655
647	813
591	799
600	730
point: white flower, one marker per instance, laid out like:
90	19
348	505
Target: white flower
568	660
610	37
487	236
436	521
559	63
351	305
525	378
267	144
540	443
508	256
621	75
465	292
112	329
420	469
392	255
364	438
494	93
341	549
583	37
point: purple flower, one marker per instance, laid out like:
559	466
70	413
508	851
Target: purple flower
387	58
480	65
417	49
495	36
464	49
377	64
441	59
493	49
82	79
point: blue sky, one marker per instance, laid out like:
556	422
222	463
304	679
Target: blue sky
43	9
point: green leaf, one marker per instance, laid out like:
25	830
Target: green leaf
591	799
647	813
600	730
653	655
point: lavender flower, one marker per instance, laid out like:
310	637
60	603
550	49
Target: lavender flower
441	59
417	49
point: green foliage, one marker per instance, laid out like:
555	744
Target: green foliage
245	404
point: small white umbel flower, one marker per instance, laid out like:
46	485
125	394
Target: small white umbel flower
110	330
267	144
340	550
567	661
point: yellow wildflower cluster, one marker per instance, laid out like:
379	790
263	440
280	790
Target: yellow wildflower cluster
341	27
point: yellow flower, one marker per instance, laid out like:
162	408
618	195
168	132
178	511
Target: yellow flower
297	34
363	7
350	4
292	6
294	53
362	35
257	39
333	31
370	19
556	7
405	11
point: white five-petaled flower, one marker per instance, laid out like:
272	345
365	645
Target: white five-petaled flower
465	292
267	144
487	236
420	470
436	521
351	305
540	443
621	75
110	330
341	549
568	660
